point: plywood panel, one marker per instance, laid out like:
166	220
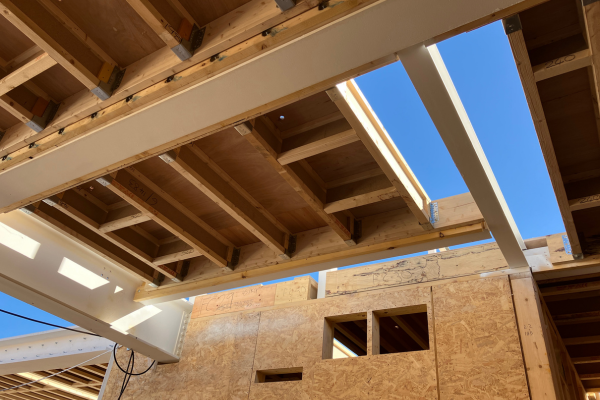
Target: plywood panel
478	348
431	267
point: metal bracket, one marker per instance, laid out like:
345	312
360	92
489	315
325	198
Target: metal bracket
51	201
185	267
185	321
285	5
291	249
235	258
30	209
105	180
357	230
168	157
512	24
105	89
434	214
567	244
38	123
186	48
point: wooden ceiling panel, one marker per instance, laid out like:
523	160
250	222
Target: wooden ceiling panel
251	171
114	26
155	230
205	11
342	162
101	193
7	120
58	83
300	220
560	21
303	111
17	44
378	208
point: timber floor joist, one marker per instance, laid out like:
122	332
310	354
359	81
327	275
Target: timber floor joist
556	49
79	383
314	181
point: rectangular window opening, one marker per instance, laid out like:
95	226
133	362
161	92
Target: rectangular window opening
279	375
401	330
345	336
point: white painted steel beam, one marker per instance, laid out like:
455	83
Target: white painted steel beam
37	281
432	81
375	32
55	349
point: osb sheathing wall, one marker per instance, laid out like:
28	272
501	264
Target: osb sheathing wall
474	351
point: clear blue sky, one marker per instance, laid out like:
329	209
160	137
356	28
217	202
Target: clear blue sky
483	70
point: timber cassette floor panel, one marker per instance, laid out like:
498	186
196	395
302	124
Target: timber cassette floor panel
315	181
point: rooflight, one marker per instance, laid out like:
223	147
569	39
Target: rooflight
135	318
80	274
118	289
59	385
18	242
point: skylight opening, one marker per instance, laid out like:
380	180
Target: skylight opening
135	318
18	242
80	274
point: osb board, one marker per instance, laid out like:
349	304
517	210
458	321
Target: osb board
293	337
431	267
234	300
299	289
478	347
216	364
475	342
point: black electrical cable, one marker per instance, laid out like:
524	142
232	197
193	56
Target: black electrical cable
46	323
125	372
128	373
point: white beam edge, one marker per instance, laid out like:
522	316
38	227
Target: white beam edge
431	79
377	31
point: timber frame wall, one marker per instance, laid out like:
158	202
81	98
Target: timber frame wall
488	337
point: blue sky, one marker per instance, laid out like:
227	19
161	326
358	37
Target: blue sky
483	70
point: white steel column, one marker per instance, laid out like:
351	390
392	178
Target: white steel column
430	77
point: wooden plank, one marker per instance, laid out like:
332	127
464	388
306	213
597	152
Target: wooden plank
583	203
317	147
581	340
269	146
157	22
45	41
92	241
534	339
154	202
381	232
358	113
30	68
521	56
121	218
562	65
195	166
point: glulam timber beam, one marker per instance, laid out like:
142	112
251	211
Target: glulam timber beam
514	32
428	73
263	138
202	172
31	19
151	200
91	240
357	111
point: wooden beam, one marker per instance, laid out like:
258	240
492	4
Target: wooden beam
312	124
576	318
357	194
159	24
357	111
316	142
581	340
521	56
586	360
15	109
30	68
121	218
591	19
562	65
202	172
589	377
154	202
410	331
583	203
573	288
46	42
91	240
268	145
